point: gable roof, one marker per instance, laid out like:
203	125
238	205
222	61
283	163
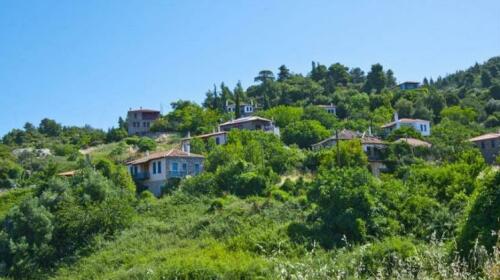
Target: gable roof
486	136
245	119
372	140
165	154
414	142
403	120
345	134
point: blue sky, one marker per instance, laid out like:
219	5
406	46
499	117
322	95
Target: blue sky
88	61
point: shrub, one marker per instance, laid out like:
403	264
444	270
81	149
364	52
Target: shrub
146	144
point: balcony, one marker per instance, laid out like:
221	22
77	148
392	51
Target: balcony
141	176
177	174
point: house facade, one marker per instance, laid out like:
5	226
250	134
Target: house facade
139	121
250	123
409	85
330	109
489	145
245	109
153	170
422	126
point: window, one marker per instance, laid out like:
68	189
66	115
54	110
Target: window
493	143
175	166
258	127
154	167
131	170
196	168
482	145
158	167
135	115
135	169
184	166
217	140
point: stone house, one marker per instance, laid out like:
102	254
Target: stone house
139	121
489	145
153	170
250	123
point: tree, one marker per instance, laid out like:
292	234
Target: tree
319	114
49	127
283	74
265	76
458	114
283	115
304	133
319	72
238	96
357	75
337	74
425	81
495	91
404	108
391	80
25	239
485	79
146	144
376	79
482	217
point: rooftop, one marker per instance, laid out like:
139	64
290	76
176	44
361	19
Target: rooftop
486	136
414	142
207	135
345	134
164	154
144	110
403	120
245	119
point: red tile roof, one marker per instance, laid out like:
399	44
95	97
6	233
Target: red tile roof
164	154
487	136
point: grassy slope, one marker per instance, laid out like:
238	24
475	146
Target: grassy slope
181	237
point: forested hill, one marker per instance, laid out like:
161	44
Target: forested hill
267	206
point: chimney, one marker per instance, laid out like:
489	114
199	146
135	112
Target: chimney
186	146
147	153
370	130
188	134
396	117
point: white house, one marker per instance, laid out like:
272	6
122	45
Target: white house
330	109
422	126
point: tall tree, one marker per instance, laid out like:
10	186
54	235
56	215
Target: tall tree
391	80
357	75
284	73
375	80
238	95
337	74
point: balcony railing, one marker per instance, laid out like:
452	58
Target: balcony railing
141	176
177	174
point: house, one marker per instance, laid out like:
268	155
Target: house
409	85
330	109
345	134
422	126
489	145
371	145
245	109
220	138
153	170
250	123
139	121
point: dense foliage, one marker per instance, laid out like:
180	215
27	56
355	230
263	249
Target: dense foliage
266	207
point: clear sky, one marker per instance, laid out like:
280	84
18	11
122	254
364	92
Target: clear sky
88	61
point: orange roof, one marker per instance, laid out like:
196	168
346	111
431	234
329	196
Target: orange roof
403	120
164	154
486	136
414	142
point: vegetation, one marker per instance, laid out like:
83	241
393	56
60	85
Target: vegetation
266	207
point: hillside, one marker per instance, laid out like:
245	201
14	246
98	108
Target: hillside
268	206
